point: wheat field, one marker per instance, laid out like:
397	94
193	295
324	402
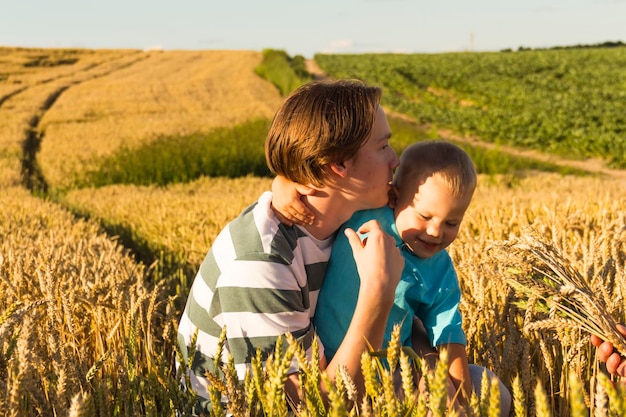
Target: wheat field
173	93
88	329
109	99
181	219
32	79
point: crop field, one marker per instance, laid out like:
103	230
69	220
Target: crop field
93	277
87	110
568	102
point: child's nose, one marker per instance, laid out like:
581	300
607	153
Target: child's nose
433	229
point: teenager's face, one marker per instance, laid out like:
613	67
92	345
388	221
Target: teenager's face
371	170
429	220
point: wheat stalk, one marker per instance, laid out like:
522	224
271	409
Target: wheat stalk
561	288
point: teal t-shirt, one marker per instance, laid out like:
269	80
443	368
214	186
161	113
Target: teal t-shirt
428	289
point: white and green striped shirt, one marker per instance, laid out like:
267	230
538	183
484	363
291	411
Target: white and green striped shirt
260	279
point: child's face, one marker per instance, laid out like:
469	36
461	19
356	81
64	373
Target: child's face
429	220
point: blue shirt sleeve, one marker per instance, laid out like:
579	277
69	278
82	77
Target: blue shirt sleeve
436	298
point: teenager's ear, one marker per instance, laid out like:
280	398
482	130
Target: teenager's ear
338	168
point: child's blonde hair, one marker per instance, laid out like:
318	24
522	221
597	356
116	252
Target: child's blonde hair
439	158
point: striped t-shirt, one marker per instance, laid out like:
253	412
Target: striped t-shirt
260	279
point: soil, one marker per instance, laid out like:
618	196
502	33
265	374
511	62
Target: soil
593	165
314	69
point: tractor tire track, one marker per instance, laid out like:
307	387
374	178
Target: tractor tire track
32	176
12	94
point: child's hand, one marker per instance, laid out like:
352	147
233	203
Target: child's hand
287	202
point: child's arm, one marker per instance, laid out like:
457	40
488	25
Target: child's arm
422	347
287	202
459	369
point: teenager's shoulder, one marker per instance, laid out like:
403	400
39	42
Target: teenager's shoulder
384	215
257	233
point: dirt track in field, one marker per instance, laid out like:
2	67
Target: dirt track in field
593	165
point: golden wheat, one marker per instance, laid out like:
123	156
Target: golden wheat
28	90
182	219
84	319
81	257
107	98
167	93
85	330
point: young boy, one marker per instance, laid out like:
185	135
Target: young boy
433	187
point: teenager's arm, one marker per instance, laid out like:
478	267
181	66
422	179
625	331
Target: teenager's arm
379	263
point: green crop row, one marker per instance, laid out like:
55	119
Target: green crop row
567	102
239	151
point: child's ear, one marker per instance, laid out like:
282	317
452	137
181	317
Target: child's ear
392	195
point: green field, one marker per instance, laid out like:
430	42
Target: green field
569	102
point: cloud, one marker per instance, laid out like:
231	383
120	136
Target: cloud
350	46
339	46
545	9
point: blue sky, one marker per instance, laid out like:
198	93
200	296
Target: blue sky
325	26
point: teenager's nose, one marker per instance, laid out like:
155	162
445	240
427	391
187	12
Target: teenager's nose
395	160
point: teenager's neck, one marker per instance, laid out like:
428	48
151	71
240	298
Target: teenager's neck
335	213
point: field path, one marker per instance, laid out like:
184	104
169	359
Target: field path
313	68
593	165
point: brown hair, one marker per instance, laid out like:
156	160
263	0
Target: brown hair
438	158
320	123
